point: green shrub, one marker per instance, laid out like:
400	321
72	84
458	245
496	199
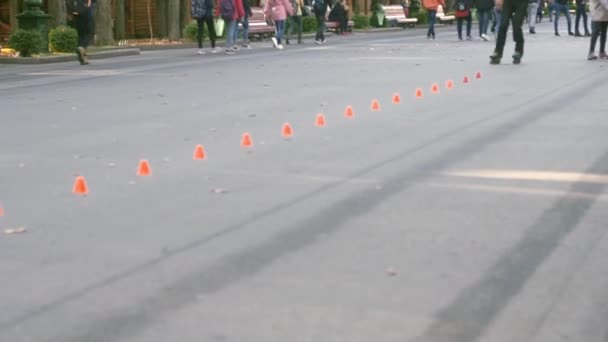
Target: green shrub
360	21
423	17
63	39
191	30
309	24
415	7
27	42
373	21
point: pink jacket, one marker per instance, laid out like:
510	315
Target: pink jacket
278	9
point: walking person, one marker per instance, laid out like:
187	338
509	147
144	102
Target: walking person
295	21
245	24
599	27
581	11
431	9
202	12
540	11
532	13
512	11
463	12
81	14
561	6
278	10
231	11
484	8
319	7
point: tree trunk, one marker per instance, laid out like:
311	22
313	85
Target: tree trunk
119	29
58	12
103	23
14	10
161	9
185	13
150	26
173	15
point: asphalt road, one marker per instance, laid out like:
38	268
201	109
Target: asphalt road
475	214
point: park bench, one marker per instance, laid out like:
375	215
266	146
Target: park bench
257	23
443	18
395	15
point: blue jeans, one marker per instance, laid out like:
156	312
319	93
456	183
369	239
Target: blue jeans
231	33
279	29
245	23
484	20
432	18
498	16
459	22
559	8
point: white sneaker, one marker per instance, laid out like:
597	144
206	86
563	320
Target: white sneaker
215	50
318	42
274	42
280	47
485	37
201	52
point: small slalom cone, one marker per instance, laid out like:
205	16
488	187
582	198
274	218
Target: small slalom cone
144	168
375	106
320	121
466	80
287	131
478	75
435	88
348	112
199	153
396	98
449	84
246	140
80	186
1	211
419	93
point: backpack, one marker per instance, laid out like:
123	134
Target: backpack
227	9
318	6
78	7
461	6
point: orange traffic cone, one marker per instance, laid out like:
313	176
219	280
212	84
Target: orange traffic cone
419	94
466	80
348	112
435	88
449	84
396	98
144	168
478	75
375	106
320	121
246	140
199	153
80	186
287	131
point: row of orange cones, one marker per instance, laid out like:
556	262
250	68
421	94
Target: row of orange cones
80	184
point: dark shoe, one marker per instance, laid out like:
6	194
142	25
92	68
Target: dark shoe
517	57
603	55
495	58
571	33
587	34
578	34
532	31
591	56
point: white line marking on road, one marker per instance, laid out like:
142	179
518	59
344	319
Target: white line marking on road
533	175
